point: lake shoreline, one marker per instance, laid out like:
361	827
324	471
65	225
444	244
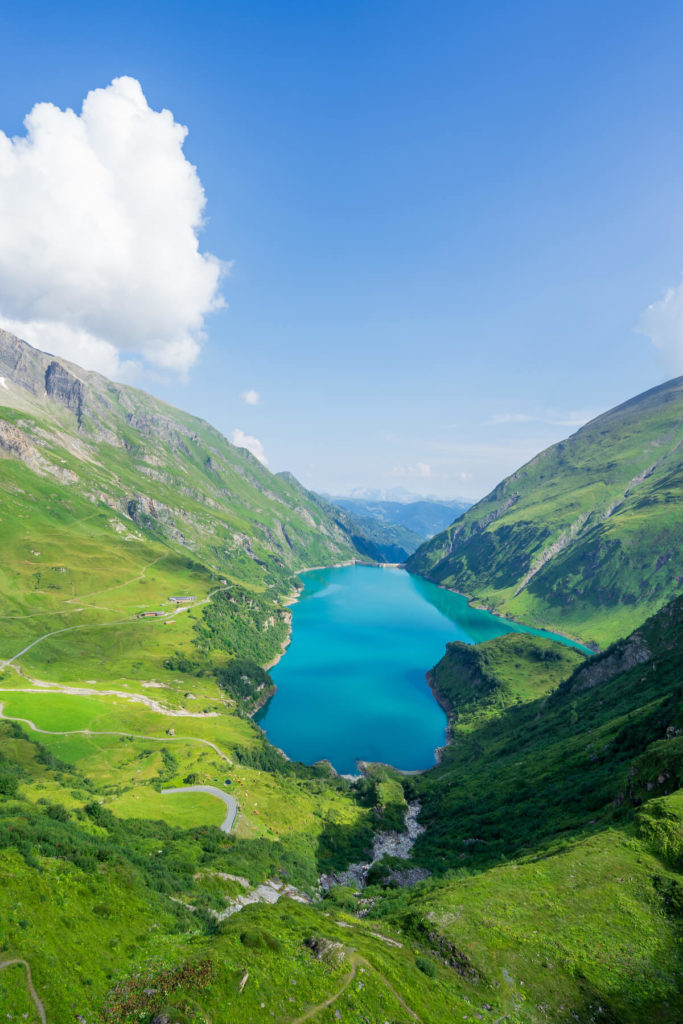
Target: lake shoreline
294	597
362	763
590	647
358	770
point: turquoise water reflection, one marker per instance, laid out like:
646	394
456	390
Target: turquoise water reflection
352	683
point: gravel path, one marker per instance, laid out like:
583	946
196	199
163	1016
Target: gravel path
229	801
86	691
133	735
29	980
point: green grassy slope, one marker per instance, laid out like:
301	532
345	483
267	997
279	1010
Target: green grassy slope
112	912
475	680
523	777
554	834
587	538
111	502
554	827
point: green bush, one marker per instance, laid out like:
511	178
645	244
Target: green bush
245	681
341	896
254	938
57	812
8	783
426	965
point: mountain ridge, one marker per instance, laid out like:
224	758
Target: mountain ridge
158	450
422	517
584	537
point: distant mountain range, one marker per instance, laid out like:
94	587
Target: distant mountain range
420	517
401	495
587	537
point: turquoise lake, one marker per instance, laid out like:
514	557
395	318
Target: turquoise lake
352	681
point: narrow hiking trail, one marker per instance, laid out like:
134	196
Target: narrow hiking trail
56	632
80	598
29	981
105	625
77	598
56	689
133	735
356	961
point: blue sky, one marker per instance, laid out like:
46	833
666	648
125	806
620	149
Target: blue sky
444	221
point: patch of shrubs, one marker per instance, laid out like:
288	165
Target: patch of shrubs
257	938
9	783
671	894
245	681
147	991
179	662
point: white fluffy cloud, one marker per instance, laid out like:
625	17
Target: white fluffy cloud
250	397
662	322
99	217
252	444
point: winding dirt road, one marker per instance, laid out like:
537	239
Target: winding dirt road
229	801
86	691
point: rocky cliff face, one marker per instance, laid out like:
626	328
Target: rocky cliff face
40	374
63	387
624	655
21	364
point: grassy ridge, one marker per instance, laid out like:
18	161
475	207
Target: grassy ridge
558	763
587	537
475	680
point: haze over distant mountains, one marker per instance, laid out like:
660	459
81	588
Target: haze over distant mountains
420	517
399	494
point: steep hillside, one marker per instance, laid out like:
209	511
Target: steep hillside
554	826
587	538
573	757
105	489
474	680
377	540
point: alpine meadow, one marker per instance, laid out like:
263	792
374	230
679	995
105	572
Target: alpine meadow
354	693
